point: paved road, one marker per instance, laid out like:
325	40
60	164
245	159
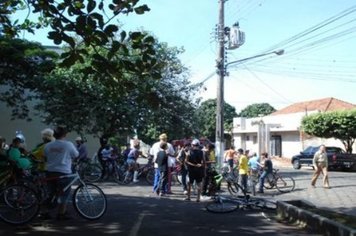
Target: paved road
340	198
134	210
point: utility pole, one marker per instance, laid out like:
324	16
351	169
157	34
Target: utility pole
220	142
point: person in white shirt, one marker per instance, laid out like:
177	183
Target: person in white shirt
60	154
153	152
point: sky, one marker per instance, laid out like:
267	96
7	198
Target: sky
318	37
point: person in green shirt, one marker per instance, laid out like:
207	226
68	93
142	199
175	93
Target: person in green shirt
18	158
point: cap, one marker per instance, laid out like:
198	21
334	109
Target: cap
195	142
78	139
163	136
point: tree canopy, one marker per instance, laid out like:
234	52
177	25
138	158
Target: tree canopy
257	109
337	124
206	116
88	23
137	104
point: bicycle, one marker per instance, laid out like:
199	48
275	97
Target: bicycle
20	203
222	204
145	170
88	171
283	184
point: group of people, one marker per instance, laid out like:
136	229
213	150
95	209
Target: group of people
248	165
51	158
193	160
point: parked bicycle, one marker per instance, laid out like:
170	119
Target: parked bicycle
20	203
283	183
88	171
146	170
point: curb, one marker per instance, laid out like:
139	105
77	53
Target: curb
289	210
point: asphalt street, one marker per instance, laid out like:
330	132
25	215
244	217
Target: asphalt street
135	210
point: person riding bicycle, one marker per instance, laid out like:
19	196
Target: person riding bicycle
18	156
60	154
131	159
267	169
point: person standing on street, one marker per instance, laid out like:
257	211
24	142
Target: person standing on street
60	154
195	163
153	152
243	168
162	163
320	163
181	159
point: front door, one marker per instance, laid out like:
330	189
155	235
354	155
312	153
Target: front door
276	145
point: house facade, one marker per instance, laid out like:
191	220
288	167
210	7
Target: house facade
279	133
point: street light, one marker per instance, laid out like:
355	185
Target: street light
220	100
278	53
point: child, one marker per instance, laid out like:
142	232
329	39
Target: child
162	162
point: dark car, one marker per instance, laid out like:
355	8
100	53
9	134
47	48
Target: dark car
306	157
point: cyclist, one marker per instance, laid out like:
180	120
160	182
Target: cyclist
230	156
18	156
60	154
267	169
82	149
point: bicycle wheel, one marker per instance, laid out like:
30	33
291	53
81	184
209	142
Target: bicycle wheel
89	201
119	175
221	206
150	176
235	189
269	182
92	172
18	204
285	184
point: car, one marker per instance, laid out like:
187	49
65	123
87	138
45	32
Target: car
337	158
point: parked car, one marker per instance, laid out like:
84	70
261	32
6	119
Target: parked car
337	158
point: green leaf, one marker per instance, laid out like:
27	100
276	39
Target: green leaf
91	5
110	29
141	9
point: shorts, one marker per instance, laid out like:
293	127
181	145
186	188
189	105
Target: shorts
196	175
231	162
56	186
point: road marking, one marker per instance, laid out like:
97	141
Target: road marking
135	229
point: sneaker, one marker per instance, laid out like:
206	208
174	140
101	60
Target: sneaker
185	192
162	194
136	181
186	199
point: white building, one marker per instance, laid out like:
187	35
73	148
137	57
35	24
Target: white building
279	133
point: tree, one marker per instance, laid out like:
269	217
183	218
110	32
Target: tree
22	68
257	109
137	104
88	23
338	124
206	116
